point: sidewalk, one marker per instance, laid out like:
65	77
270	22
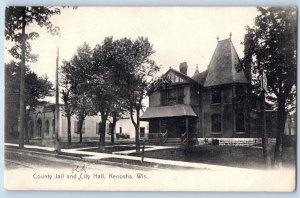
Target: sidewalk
123	155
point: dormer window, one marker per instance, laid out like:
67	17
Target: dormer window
216	96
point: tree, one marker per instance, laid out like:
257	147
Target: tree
83	108
118	109
271	48
69	108
134	70
76	75
102	87
36	89
16	21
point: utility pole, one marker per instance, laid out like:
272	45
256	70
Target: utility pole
57	137
22	82
265	138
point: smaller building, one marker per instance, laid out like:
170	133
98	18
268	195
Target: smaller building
125	126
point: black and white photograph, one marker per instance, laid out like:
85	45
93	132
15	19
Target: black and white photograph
150	98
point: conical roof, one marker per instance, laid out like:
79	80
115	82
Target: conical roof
225	66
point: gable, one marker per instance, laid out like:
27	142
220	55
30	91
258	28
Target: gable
178	77
175	77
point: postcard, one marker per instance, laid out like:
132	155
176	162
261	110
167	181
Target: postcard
150	98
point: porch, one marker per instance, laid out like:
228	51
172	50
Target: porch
170	123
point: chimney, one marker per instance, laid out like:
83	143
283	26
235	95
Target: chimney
183	68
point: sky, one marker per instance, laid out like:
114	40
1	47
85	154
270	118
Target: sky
178	34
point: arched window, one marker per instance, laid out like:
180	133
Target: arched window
47	128
239	122
39	128
31	129
216	123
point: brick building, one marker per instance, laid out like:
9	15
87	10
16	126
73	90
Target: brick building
41	127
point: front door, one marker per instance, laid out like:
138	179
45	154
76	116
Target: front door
176	127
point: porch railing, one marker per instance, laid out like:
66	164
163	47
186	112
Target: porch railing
159	137
188	138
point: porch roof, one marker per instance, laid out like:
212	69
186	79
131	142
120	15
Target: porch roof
168	111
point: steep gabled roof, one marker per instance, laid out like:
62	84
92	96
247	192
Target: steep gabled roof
186	78
200	77
225	66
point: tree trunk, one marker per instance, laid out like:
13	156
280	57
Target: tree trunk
265	138
136	125
281	118
79	128
102	131
26	128
69	130
22	83
112	129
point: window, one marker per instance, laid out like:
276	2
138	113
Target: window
239	121
97	127
240	91
53	126
31	129
120	129
142	131
215	96
39	127
240	94
47	128
107	128
76	126
216	123
173	96
83	127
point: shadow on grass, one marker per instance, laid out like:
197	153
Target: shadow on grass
235	156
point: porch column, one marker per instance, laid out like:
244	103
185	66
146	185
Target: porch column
159	125
187	126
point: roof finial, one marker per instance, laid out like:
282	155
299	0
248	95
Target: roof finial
197	66
218	38
230	35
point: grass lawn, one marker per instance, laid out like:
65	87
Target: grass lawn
88	144
235	156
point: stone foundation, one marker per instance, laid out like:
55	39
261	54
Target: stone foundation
234	141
